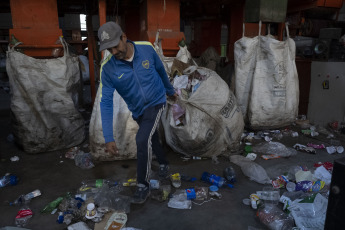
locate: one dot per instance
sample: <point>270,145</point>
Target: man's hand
<point>112,148</point>
<point>173,97</point>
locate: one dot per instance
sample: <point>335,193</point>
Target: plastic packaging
<point>83,160</point>
<point>22,217</point>
<point>175,180</point>
<point>8,179</point>
<point>290,186</point>
<point>274,218</point>
<point>215,180</point>
<point>179,200</point>
<point>269,195</point>
<point>251,169</point>
<point>274,148</point>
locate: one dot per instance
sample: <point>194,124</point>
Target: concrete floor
<point>55,175</point>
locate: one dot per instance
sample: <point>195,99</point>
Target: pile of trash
<point>304,202</point>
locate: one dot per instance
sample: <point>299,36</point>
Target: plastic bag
<point>83,160</point>
<point>179,200</point>
<point>275,148</point>
<point>110,198</point>
<point>310,216</point>
<point>274,218</point>
<point>251,169</point>
<point>22,216</point>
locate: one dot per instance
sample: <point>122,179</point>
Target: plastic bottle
<point>215,180</point>
<point>8,179</point>
<point>52,205</point>
<point>32,194</point>
<point>229,174</point>
<point>97,183</point>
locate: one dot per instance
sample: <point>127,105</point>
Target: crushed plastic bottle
<point>215,180</point>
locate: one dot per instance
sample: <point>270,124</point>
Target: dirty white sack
<point>267,84</point>
<point>42,91</point>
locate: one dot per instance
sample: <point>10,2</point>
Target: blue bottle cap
<point>213,188</point>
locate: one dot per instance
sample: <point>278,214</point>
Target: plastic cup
<point>331,149</point>
<point>340,149</point>
<point>91,211</point>
<point>291,186</point>
<point>246,201</point>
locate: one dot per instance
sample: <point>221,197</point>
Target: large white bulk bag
<point>44,114</point>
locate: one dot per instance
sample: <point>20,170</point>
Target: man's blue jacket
<point>141,85</point>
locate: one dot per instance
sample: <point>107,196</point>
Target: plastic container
<point>290,186</point>
<point>32,194</point>
<point>215,180</point>
<point>230,174</point>
<point>8,179</point>
<point>269,195</point>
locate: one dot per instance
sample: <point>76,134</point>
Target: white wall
<point>327,105</point>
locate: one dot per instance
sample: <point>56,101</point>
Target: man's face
<point>119,51</point>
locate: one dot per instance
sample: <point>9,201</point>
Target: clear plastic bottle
<point>32,194</point>
<point>215,180</point>
<point>230,174</point>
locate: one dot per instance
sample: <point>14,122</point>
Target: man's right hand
<point>112,148</point>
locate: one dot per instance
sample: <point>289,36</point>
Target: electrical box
<point>265,11</point>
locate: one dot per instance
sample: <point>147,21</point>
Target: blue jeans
<point>148,142</point>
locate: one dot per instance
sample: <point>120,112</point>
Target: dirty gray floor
<point>55,175</point>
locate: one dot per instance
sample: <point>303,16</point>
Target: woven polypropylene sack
<point>213,122</point>
<point>267,86</point>
<point>44,116</point>
<point>124,130</point>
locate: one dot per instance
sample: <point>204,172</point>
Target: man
<point>136,72</point>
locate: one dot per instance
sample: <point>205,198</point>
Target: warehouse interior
<point>210,30</point>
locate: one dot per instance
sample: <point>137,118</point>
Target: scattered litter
<point>251,156</point>
<point>275,218</point>
<point>83,160</point>
<point>23,216</point>
<point>267,157</point>
<point>251,169</point>
<point>70,154</point>
<point>14,158</point>
<point>321,173</point>
<point>309,214</point>
<point>179,200</point>
<point>274,148</point>
<point>315,146</point>
<point>79,226</point>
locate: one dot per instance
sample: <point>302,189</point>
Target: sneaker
<point>163,171</point>
<point>141,194</point>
